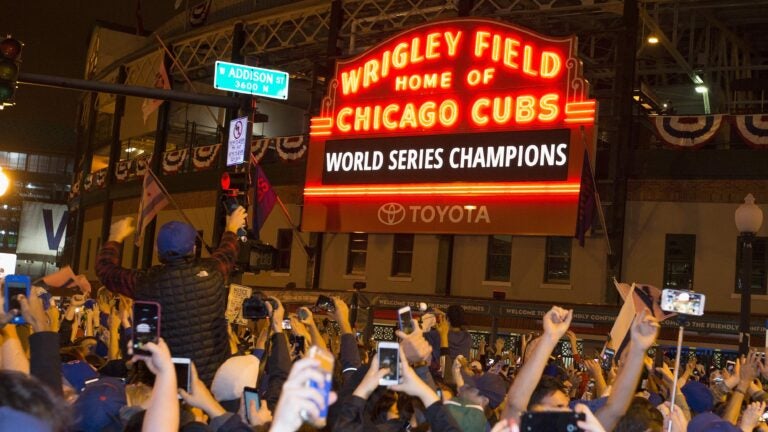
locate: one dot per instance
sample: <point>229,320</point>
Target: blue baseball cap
<point>175,240</point>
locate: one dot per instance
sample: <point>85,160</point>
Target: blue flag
<point>587,201</point>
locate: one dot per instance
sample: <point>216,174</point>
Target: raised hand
<point>371,379</point>
<point>557,321</point>
<point>645,329</point>
<point>236,219</point>
<point>751,416</point>
<point>415,347</point>
<point>33,313</point>
<point>297,397</point>
<point>159,361</point>
<point>121,229</point>
<point>590,422</point>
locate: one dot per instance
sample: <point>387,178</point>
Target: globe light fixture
<point>4,182</point>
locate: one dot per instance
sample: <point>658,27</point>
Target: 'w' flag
<point>587,201</point>
<point>153,199</point>
<point>264,198</point>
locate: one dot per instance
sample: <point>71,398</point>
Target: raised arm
<point>643,334</point>
<point>226,253</point>
<point>116,278</point>
<point>556,323</point>
<point>163,408</point>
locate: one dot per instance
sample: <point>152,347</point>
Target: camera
<point>255,307</point>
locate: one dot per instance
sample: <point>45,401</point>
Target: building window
<point>679,253</point>
<point>358,250</point>
<point>558,263</point>
<point>402,255</point>
<point>284,242</point>
<point>759,266</point>
<point>498,258</point>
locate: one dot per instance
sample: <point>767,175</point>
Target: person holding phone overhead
<point>192,293</point>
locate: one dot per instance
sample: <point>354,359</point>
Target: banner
<point>753,129</point>
<point>291,147</point>
<point>42,228</point>
<point>237,295</point>
<point>259,148</point>
<point>173,161</point>
<point>687,131</point>
<point>205,157</point>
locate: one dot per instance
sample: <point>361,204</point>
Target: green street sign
<point>250,80</point>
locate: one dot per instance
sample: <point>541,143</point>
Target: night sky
<point>56,35</point>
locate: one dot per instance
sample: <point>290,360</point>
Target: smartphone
<point>389,358</point>
<point>405,319</point>
<point>325,303</point>
<point>250,394</point>
<point>729,365</point>
<point>551,421</point>
<point>15,285</point>
<point>326,359</point>
<point>683,302</point>
<point>606,360</point>
<point>183,373</point>
<point>287,324</point>
<point>658,358</point>
<point>146,325</point>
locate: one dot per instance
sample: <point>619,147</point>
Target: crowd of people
<point>72,367</point>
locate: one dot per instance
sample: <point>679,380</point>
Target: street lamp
<point>4,182</point>
<point>748,218</point>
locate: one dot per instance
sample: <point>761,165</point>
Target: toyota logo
<point>391,213</point>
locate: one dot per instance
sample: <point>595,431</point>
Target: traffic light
<point>10,59</point>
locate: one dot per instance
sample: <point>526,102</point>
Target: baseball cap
<point>175,240</point>
<point>98,406</point>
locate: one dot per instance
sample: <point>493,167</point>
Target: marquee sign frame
<point>462,126</point>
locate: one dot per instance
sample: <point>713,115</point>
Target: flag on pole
<point>264,198</point>
<point>587,201</point>
<point>153,199</point>
<point>161,82</point>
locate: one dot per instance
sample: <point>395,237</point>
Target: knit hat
<point>698,396</point>
<point>470,418</point>
<point>237,372</point>
<point>175,240</point>
<point>491,386</point>
<point>710,422</point>
<point>11,419</point>
<point>98,406</point>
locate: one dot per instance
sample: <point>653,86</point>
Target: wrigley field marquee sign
<point>466,126</point>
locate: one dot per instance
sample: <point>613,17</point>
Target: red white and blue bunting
<point>122,170</point>
<point>205,157</point>
<point>753,129</point>
<point>75,189</point>
<point>100,178</point>
<point>88,182</point>
<point>259,148</point>
<point>291,148</point>
<point>687,131</point>
<point>173,161</point>
<point>142,165</point>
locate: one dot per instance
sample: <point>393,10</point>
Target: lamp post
<point>748,218</point>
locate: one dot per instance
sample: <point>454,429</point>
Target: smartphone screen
<point>388,359</point>
<point>146,324</point>
<point>607,360</point>
<point>325,303</point>
<point>14,290</point>
<point>551,421</point>
<point>658,359</point>
<point>183,373</point>
<point>405,318</point>
<point>250,394</point>
<point>682,302</point>
<point>287,324</point>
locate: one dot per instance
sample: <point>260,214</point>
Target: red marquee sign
<point>462,126</point>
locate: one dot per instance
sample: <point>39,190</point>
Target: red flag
<point>587,201</point>
<point>153,199</point>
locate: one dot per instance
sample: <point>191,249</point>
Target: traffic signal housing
<point>10,60</point>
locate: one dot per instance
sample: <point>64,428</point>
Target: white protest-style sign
<point>7,264</point>
<point>42,229</point>
<point>238,133</point>
<point>237,295</point>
